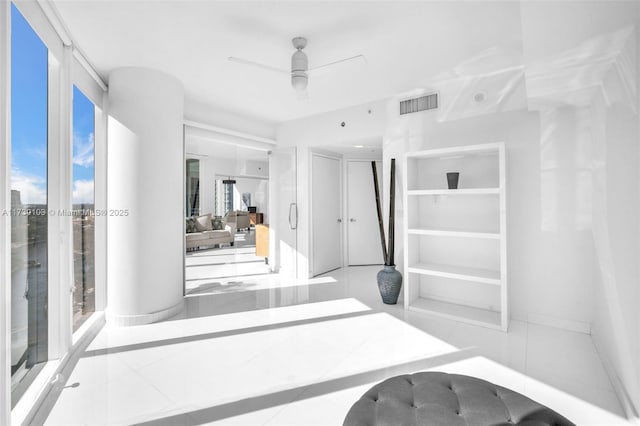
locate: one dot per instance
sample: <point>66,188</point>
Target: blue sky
<point>83,147</point>
<point>29,69</point>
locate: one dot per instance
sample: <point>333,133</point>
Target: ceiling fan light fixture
<point>299,80</point>
<point>299,61</point>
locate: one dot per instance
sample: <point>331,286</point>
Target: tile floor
<point>224,269</point>
<point>290,353</point>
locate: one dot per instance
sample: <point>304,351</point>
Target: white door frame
<point>317,153</point>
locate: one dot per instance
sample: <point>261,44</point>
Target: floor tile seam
<point>122,356</point>
<point>174,407</point>
<point>150,383</point>
<point>131,374</point>
<point>147,364</point>
<point>532,383</point>
<point>110,378</point>
<point>397,367</point>
<point>349,354</point>
<point>318,377</point>
<point>283,407</point>
<point>91,392</point>
<point>567,381</point>
<point>454,325</point>
<point>274,343</point>
<point>137,417</point>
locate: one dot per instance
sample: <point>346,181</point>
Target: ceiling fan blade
<point>258,65</point>
<point>326,67</point>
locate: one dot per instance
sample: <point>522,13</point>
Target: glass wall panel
<point>29,277</point>
<point>84,296</point>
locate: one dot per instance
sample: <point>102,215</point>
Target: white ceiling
<point>406,44</point>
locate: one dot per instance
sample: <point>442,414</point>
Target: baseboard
<point>564,324</point>
<point>131,320</point>
<point>630,410</point>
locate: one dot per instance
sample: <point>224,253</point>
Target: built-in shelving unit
<point>455,239</point>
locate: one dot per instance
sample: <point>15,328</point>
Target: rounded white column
<point>145,187</point>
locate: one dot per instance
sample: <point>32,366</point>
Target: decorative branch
<point>392,214</point>
<point>379,208</point>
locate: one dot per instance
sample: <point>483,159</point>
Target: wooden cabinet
<point>262,240</point>
<point>455,239</point>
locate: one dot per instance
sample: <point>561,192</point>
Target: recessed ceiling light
<point>480,96</point>
<point>359,146</point>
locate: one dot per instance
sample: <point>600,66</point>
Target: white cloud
<point>83,192</point>
<point>33,189</point>
<point>83,150</point>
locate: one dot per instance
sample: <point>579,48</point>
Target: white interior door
<point>283,211</point>
<point>326,214</point>
<point>363,236</point>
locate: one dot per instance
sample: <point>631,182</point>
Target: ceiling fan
<point>299,65</point>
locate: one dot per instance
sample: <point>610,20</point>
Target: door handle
<point>352,220</point>
<point>293,208</point>
<point>339,220</point>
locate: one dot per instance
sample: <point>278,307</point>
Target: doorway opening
<point>226,204</point>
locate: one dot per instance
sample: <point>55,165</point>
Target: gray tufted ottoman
<point>441,399</point>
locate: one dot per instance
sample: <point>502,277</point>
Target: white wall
<point>616,328</point>
<point>207,114</point>
<point>363,124</point>
<point>596,88</point>
<point>549,258</point>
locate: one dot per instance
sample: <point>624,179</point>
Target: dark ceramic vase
<point>389,284</point>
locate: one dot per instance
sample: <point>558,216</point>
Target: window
<point>83,208</point>
<point>29,220</point>
<point>193,187</point>
<point>228,194</point>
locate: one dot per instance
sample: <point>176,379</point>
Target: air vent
<point>423,103</point>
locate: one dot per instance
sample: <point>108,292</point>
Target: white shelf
<point>452,233</point>
<point>456,312</point>
<point>467,191</point>
<point>484,276</point>
<point>468,228</point>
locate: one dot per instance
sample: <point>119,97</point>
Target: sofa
<point>240,218</point>
<point>200,232</point>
